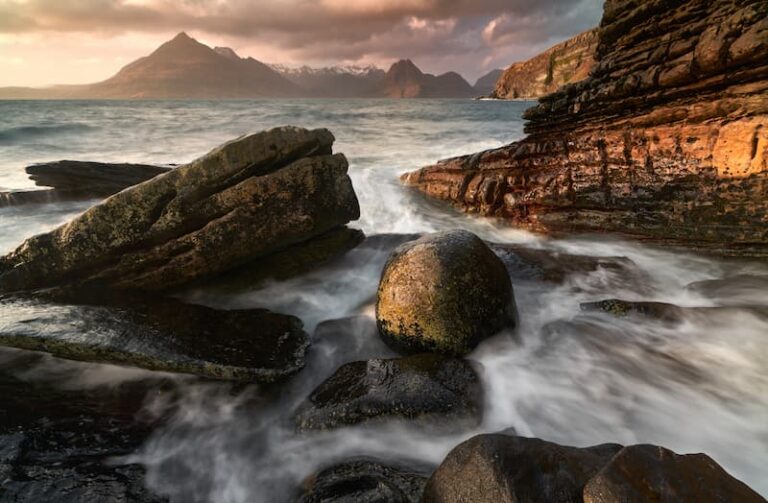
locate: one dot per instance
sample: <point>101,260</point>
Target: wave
<point>24,134</point>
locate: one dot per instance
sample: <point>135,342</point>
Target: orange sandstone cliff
<point>667,139</point>
<point>565,63</point>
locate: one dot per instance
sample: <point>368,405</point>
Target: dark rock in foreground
<point>365,481</point>
<point>159,334</point>
<point>427,390</point>
<point>67,461</point>
<point>444,292</point>
<point>641,473</point>
<point>247,199</point>
<point>59,445</point>
<point>500,468</point>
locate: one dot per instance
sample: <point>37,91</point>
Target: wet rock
<point>621,308</point>
<point>244,200</point>
<point>496,468</point>
<point>20,197</point>
<point>524,263</point>
<point>61,445</point>
<point>158,334</point>
<point>78,180</point>
<point>68,461</point>
<point>293,261</point>
<point>444,292</point>
<point>365,481</point>
<point>734,289</point>
<point>93,178</point>
<point>641,473</point>
<point>670,313</point>
<point>425,390</point>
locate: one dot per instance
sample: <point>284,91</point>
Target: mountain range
<point>184,68</point>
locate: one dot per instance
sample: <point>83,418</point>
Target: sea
<point>563,375</point>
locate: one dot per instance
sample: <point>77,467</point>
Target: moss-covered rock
<point>444,292</point>
<point>247,199</point>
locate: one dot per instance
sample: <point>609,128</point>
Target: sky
<point>46,42</point>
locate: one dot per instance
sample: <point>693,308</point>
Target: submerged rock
<point>524,263</point>
<point>158,334</point>
<point>365,481</point>
<point>497,468</point>
<point>427,390</point>
<point>670,313</point>
<point>641,473</point>
<point>244,200</point>
<point>621,308</point>
<point>77,180</point>
<point>444,292</point>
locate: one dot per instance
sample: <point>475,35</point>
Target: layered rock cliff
<point>667,138</point>
<point>565,63</point>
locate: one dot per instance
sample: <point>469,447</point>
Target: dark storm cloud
<point>473,34</point>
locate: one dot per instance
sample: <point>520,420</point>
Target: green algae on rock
<point>244,200</point>
<point>444,292</point>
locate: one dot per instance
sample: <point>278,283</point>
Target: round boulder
<point>445,293</point>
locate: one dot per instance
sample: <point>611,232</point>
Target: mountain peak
<point>405,64</point>
<point>181,36</point>
<point>227,52</point>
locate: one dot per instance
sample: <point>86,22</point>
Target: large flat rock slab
<point>252,345</point>
<point>244,200</point>
<point>79,180</point>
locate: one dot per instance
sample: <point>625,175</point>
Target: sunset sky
<point>44,42</point>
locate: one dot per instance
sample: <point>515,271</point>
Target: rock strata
<point>667,139</point>
<point>244,200</point>
<point>424,390</point>
<point>567,62</point>
<point>444,292</point>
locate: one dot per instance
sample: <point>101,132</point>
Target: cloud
<point>467,35</point>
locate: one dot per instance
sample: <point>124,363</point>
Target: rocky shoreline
<point>666,140</point>
<point>641,147</point>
